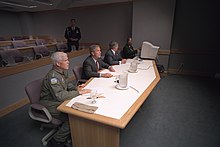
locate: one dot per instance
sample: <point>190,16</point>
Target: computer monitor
<point>149,51</point>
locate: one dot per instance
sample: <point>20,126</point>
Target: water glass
<point>123,80</point>
<point>93,95</point>
<point>133,66</point>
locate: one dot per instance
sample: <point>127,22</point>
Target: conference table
<point>115,109</point>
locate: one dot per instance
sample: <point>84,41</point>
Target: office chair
<point>38,112</point>
<point>2,62</point>
<point>25,37</point>
<point>40,42</point>
<point>13,38</point>
<point>2,39</point>
<point>41,51</point>
<point>149,51</point>
<point>77,70</point>
<point>18,44</point>
<point>11,57</point>
<point>62,47</point>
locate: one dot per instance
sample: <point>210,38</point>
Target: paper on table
<point>107,71</point>
<point>83,98</point>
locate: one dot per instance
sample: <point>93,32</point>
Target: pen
<point>96,97</point>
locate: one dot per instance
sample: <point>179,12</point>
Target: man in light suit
<point>112,56</point>
<point>94,63</point>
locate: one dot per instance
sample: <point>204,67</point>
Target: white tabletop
<point>117,102</point>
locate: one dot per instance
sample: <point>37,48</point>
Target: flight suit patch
<point>53,81</point>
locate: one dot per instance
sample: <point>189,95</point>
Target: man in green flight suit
<point>56,88</point>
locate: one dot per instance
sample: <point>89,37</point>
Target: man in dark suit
<point>94,63</point>
<point>128,51</point>
<point>112,57</point>
<point>73,35</point>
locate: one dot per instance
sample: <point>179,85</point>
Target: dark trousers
<point>63,132</point>
<point>71,45</point>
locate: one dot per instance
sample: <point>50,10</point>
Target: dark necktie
<point>97,65</point>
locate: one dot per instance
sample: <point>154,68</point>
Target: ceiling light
<point>44,2</point>
<point>18,5</point>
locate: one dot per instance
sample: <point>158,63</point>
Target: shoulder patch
<point>53,81</point>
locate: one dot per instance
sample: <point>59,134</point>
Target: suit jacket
<point>72,33</point>
<point>128,52</point>
<point>90,68</point>
<point>112,59</point>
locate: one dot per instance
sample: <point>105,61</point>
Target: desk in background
<point>102,129</point>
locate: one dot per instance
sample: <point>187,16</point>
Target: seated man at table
<point>128,51</point>
<point>94,63</point>
<point>56,89</point>
<point>112,56</point>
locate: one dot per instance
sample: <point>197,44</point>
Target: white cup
<point>93,95</point>
<point>123,80</point>
<point>133,66</point>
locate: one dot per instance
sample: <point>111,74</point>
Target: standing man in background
<point>73,35</point>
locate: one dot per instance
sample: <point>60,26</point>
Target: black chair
<point>77,70</point>
<point>40,113</point>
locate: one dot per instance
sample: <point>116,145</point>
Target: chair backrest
<point>2,62</point>
<point>61,47</point>
<point>40,42</point>
<point>77,70</point>
<point>17,44</point>
<point>148,50</point>
<point>11,56</point>
<point>25,37</point>
<point>43,50</point>
<point>13,38</point>
<point>33,90</point>
<point>2,39</point>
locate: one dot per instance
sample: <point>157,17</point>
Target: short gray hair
<point>92,48</point>
<point>57,57</point>
<point>113,44</point>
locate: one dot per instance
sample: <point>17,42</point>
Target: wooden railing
<point>6,71</point>
<point>25,66</point>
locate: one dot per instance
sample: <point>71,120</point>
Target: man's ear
<point>93,53</point>
<point>58,64</point>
